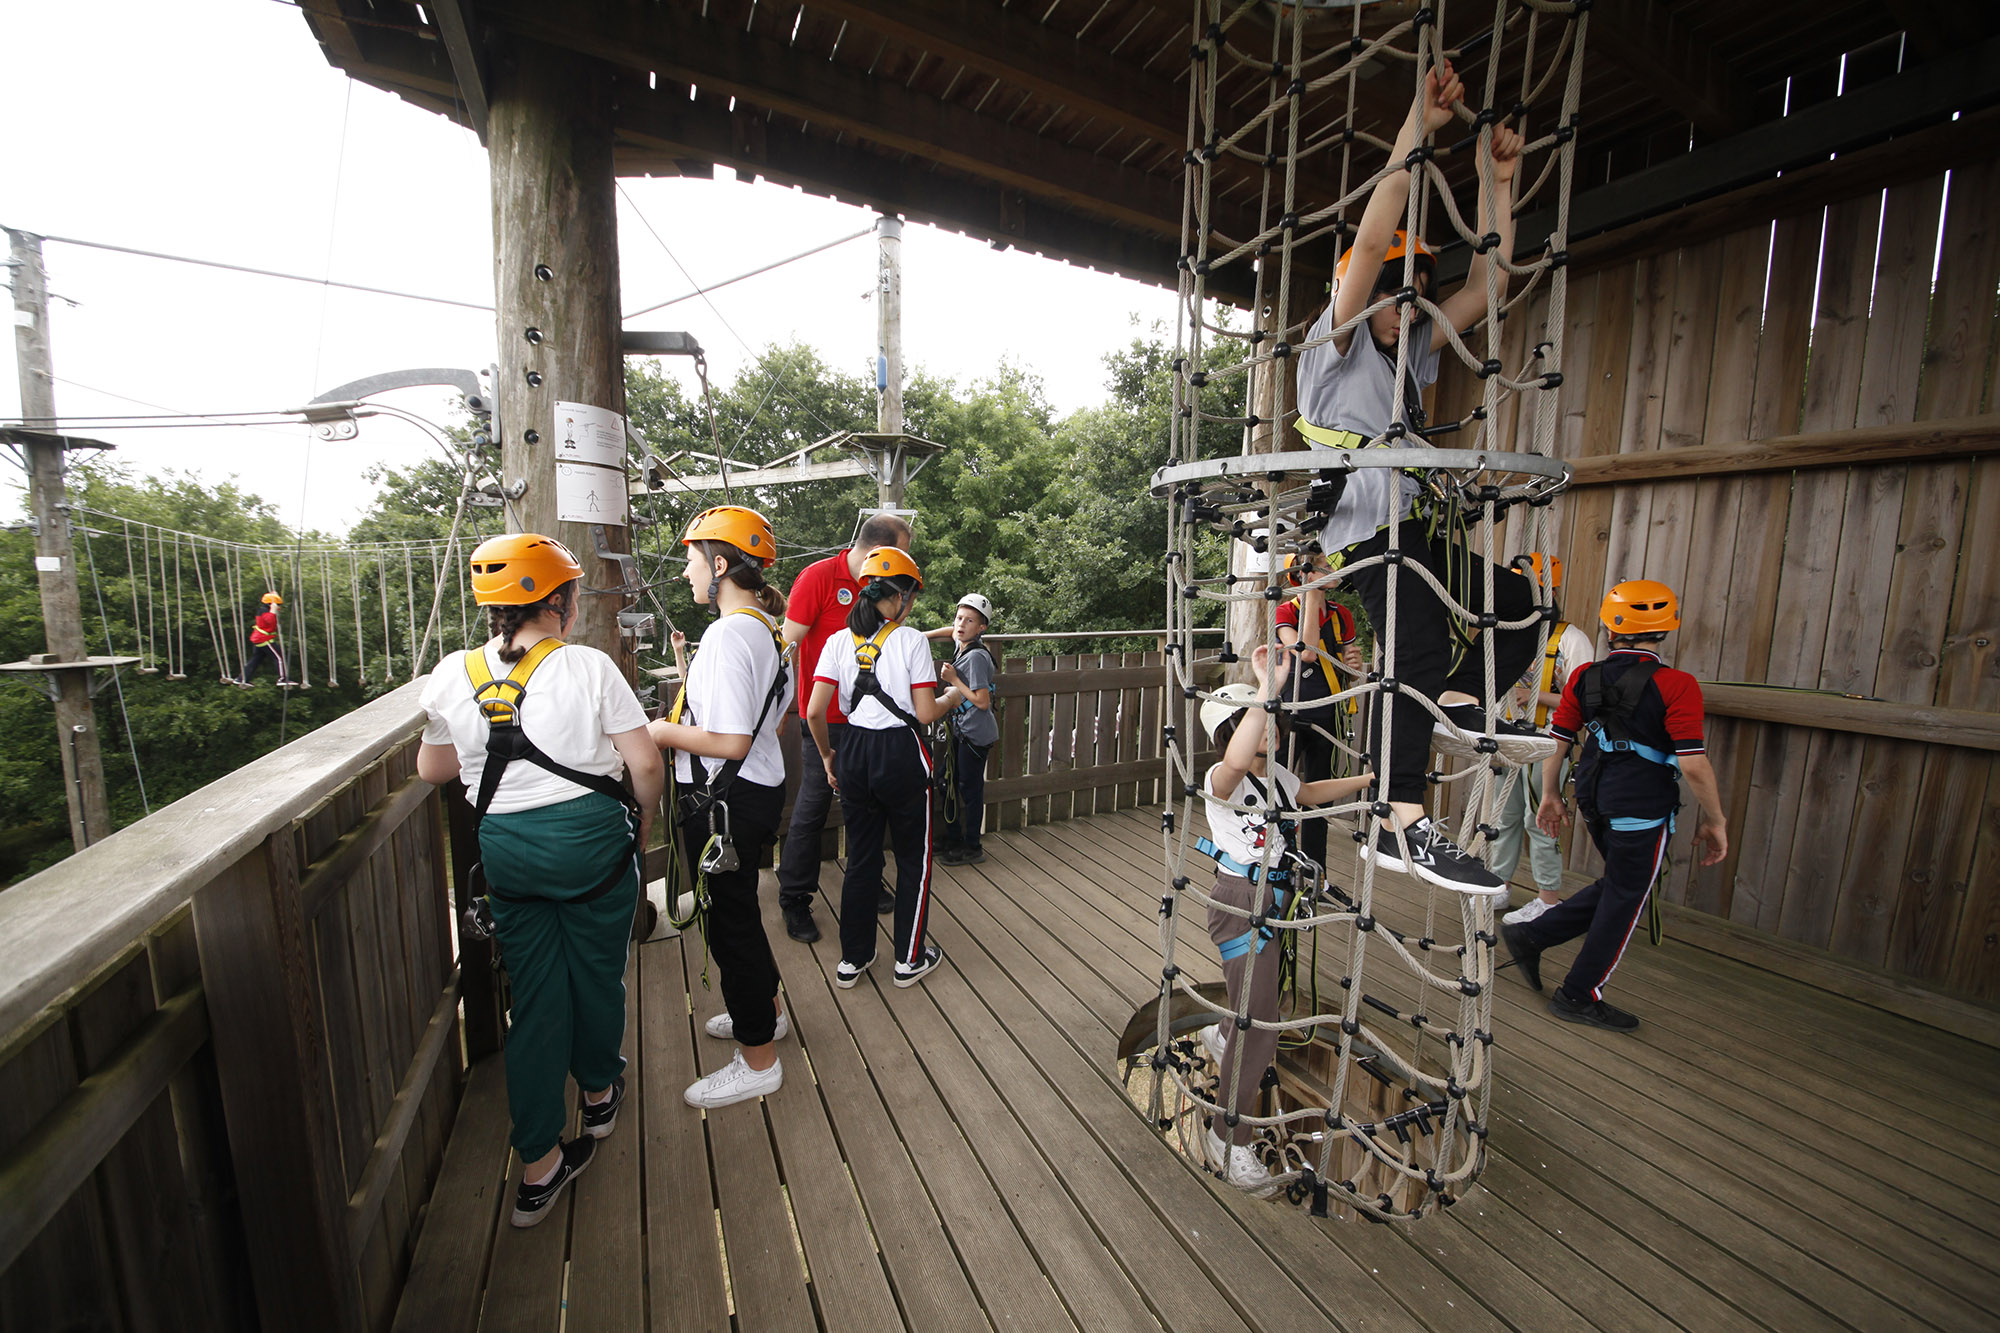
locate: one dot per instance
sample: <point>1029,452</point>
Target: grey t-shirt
<point>975,672</point>
<point>1357,392</point>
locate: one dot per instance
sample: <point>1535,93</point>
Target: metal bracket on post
<point>629,582</point>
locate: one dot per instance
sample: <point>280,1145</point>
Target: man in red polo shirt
<point>817,609</point>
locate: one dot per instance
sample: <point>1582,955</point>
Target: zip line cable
<point>717,286</point>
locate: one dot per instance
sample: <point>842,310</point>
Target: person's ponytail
<point>866,618</point>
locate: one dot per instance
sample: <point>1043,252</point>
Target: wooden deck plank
<point>607,1277</point>
<point>767,1274</point>
<point>448,1271</point>
<point>683,1265</point>
<point>929,1278</point>
<point>1011,980</point>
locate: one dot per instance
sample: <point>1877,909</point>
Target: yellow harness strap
<point>868,651</point>
<point>1332,439</point>
<point>499,700</point>
<point>1549,685</point>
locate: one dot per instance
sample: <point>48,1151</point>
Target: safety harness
<point>1278,877</point>
<point>1608,711</point>
<point>1549,683</point>
<point>500,702</point>
<point>867,652</point>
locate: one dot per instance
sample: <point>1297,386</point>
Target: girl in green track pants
<point>541,731</point>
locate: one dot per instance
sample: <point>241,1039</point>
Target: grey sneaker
<point>1526,912</point>
<point>1432,856</point>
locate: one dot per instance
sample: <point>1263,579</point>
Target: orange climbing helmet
<point>272,599</point>
<point>887,562</point>
<point>1399,247</point>
<point>1532,564</point>
<point>745,529</point>
<point>519,568</point>
<point>1640,606</point>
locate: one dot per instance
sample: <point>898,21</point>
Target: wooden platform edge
<point>1829,972</point>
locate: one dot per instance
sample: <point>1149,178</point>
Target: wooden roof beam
<point>1658,52</point>
<point>657,133</point>
<point>680,45</point>
<point>454,26</point>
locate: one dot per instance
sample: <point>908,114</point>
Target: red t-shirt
<point>1336,623</point>
<point>820,599</point>
<point>267,628</point>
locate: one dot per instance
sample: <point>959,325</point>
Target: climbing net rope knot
<point>1381,1097</point>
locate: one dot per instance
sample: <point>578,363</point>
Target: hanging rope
<point>1407,1135</point>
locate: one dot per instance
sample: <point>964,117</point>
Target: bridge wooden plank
<point>683,1264</point>
<point>448,1272</point>
<point>607,1270</point>
<point>929,1277</point>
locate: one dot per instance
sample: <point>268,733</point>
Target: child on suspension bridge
<point>1536,697</point>
<point>1321,630</point>
<point>1348,395</point>
<point>264,643</point>
<point>559,841</point>
<point>1640,722</point>
<point>1250,847</point>
<point>974,730</point>
<point>880,670</point>
<point>731,778</point>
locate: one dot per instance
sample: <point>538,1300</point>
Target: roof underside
<point>1060,126</point>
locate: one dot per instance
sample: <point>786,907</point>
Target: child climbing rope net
<point>1391,1117</point>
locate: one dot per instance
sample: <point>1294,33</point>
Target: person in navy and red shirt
<point>1640,724</point>
<point>818,607</point>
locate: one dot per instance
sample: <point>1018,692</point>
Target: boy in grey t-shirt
<point>974,730</point>
<point>1365,385</point>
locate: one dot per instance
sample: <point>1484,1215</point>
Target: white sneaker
<point>735,1082</point>
<point>1211,1041</point>
<point>1527,912</point>
<point>1240,1167</point>
<point>724,1027</point>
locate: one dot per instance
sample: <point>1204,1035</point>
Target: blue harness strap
<point>1240,945</point>
<point>1604,741</point>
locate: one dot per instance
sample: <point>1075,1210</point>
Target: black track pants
<point>735,926</point>
<point>798,862</point>
<point>1607,912</point>
<point>885,785</point>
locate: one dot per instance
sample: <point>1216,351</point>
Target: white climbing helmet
<point>979,604</point>
<point>1230,700</point>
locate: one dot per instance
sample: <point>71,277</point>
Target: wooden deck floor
<point>959,1156</point>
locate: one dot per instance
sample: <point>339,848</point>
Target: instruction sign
<point>586,434</point>
<point>588,494</point>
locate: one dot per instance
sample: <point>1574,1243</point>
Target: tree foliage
<point>1050,516</point>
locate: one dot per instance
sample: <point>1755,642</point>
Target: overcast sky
<point>215,129</point>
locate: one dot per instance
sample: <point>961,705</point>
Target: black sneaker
<point>909,974</point>
<point>1591,1013</point>
<point>971,856</point>
<point>885,904</point>
<point>1518,744</point>
<point>1526,956</point>
<point>599,1118</point>
<point>951,856</point>
<point>799,924</point>
<point>531,1202</point>
<point>1433,857</point>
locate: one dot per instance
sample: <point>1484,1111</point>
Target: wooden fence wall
<point>230,1049</point>
<point>1877,578</point>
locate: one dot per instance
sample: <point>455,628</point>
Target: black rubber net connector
<point>1161,1060</point>
<point>1468,986</point>
<point>1180,883</point>
<point>1256,336</point>
<point>1423,18</point>
<point>1490,241</point>
<point>1380,809</point>
<point>1270,160</point>
<point>1201,266</point>
<point>1231,1119</point>
<point>1485,937</point>
<point>1170,971</point>
<point>1274,594</point>
<point>1282,349</point>
<point>1253,421</point>
<point>1187,414</point>
<point>1564,133</point>
<point>1167,821</point>
<point>1552,380</point>
<point>1424,944</point>
<point>1271,705</point>
<point>1297,88</point>
<point>1405,296</point>
<point>1491,115</point>
<point>1487,745</point>
<point>1189,593</point>
<point>1487,620</point>
<point>1199,378</point>
<point>1549,614</point>
<point>1394,556</point>
<point>1488,369</point>
<point>1364,924</point>
<point>1559,259</point>
<point>1167,733</point>
<point>1289,222</point>
<point>1185,262</point>
<point>1390,685</point>
<point>1350,1027</point>
<point>1347,983</point>
<point>1190,789</point>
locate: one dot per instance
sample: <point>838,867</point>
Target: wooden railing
<point>230,1049</point>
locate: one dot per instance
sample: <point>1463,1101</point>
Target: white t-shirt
<point>904,667</point>
<point>1574,649</point>
<point>575,703</point>
<point>1241,832</point>
<point>728,682</point>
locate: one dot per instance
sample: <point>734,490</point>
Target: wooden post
<point>889,351</point>
<point>55,561</point>
<point>270,1055</point>
<point>555,245</point>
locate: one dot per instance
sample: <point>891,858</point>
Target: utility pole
<point>55,562</point>
<point>889,357</point>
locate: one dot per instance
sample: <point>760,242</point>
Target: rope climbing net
<point>1381,1100</point>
